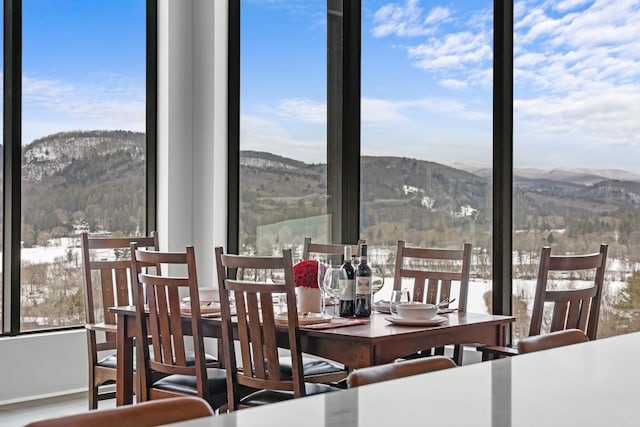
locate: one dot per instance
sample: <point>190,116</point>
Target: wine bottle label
<point>364,285</point>
<point>346,289</point>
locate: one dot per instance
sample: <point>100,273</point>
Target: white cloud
<point>381,111</point>
<point>53,105</point>
<point>453,83</point>
<point>456,50</point>
<point>304,110</point>
<point>577,63</point>
<point>566,5</point>
<point>577,73</point>
<point>263,134</point>
<point>405,20</point>
<point>437,15</point>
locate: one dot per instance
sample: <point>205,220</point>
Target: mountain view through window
<point>426,130</point>
<point>83,159</point>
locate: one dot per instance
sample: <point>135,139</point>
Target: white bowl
<point>205,295</point>
<point>208,294</point>
<point>417,311</point>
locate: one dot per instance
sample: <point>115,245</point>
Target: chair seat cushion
<point>191,358</point>
<point>186,384</point>
<point>263,397</point>
<point>111,360</point>
<point>310,366</point>
<point>108,362</point>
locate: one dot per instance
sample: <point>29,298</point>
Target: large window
<point>283,125</point>
<point>426,131</point>
<point>82,145</point>
<point>435,134</point>
<point>576,138</point>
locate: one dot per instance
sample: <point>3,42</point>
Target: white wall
<point>191,184</point>
<point>42,365</point>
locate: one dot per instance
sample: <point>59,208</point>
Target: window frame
<point>12,135</point>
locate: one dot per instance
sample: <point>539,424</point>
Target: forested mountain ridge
<point>50,155</point>
<point>82,180</point>
<point>95,180</point>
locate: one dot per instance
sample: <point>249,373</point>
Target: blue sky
<point>83,66</point>
<point>426,77</point>
<point>427,80</point>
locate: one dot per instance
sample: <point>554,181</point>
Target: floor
<point>19,414</point>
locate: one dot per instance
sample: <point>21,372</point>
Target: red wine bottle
<point>347,280</point>
<point>364,293</point>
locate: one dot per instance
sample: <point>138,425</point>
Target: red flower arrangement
<point>305,274</point>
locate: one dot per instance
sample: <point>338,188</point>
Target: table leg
<point>124,346</point>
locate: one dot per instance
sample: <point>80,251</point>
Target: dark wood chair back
<point>391,371</point>
<point>145,414</point>
<point>164,341</point>
<point>551,340</point>
<point>107,283</point>
<point>433,270</point>
<point>256,325</point>
<point>572,308</point>
<point>329,250</point>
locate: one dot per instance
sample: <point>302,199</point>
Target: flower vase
<point>309,299</point>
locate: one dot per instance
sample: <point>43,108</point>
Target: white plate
<point>416,322</point>
<point>306,318</point>
<point>382,307</point>
<point>329,301</point>
<point>205,308</point>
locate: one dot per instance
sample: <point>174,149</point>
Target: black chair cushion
<point>310,366</point>
<point>264,397</point>
<point>111,360</point>
<point>186,384</point>
<point>191,358</point>
<point>108,362</point>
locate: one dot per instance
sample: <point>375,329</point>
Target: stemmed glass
<point>331,286</point>
<point>377,277</point>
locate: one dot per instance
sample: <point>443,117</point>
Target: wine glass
<point>322,271</point>
<point>331,285</point>
<point>398,296</point>
<point>377,277</point>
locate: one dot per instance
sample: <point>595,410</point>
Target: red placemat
<point>336,323</point>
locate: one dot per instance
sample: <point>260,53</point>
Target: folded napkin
<point>336,323</point>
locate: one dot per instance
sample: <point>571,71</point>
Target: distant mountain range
<point>450,188</point>
<point>95,179</point>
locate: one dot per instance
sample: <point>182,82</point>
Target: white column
<point>192,128</point>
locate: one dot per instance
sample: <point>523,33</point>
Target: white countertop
<point>591,384</point>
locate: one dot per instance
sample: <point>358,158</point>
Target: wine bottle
<point>363,285</point>
<point>347,280</point>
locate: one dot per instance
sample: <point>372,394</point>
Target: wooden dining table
<point>373,343</point>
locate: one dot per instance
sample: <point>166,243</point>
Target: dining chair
<point>258,340</point>
<point>571,308</point>
<point>551,340</point>
<point>163,338</point>
<point>106,279</point>
<point>432,272</point>
<point>399,369</point>
<point>145,414</point>
<point>328,250</point>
